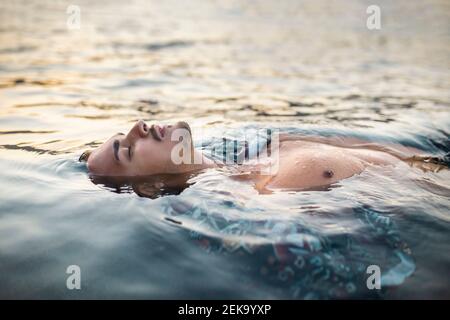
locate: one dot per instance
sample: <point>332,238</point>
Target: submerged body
<point>302,162</point>
<point>305,164</point>
<point>311,162</point>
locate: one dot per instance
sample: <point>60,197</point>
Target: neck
<point>204,162</point>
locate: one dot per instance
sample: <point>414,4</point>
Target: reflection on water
<point>224,66</point>
<point>145,186</point>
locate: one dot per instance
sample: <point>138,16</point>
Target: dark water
<point>224,66</point>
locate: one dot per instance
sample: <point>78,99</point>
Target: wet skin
<point>303,162</point>
<point>144,150</point>
<point>310,162</point>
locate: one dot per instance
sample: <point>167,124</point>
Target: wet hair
<point>85,156</point>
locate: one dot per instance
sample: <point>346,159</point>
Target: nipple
<point>328,173</point>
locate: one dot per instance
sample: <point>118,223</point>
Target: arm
<point>396,150</point>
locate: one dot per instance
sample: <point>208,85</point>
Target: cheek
<point>101,165</point>
<point>166,153</point>
<point>151,158</point>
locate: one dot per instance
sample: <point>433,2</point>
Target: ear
<point>85,156</point>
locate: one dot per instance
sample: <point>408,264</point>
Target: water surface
<point>309,67</point>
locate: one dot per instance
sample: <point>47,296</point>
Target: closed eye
<point>116,146</point>
<point>129,153</point>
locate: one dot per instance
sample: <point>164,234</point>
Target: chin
<point>184,125</point>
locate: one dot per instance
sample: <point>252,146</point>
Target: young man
<point>300,162</point>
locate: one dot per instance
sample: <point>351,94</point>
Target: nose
<point>139,130</point>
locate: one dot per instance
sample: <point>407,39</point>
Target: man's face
<point>145,150</point>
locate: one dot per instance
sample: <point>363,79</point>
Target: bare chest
<point>306,166</point>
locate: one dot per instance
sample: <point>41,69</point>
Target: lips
<point>154,131</point>
<point>158,132</point>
